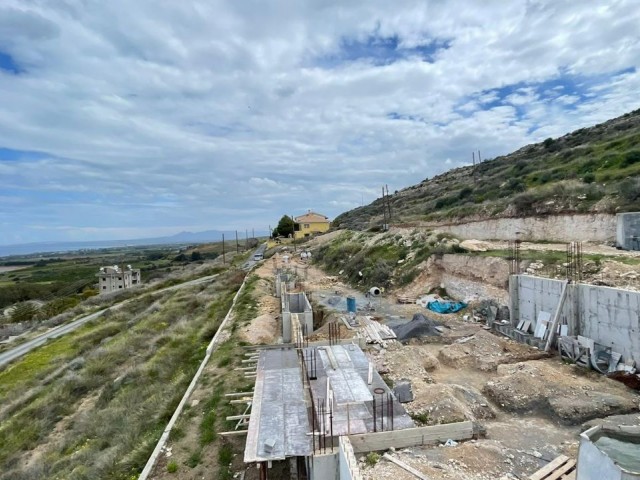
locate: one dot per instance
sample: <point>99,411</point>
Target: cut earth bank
<point>531,406</point>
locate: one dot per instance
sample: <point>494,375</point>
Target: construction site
<point>362,383</point>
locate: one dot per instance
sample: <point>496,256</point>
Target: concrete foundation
<point>284,281</point>
<point>609,316</point>
<point>295,304</point>
<point>628,230</point>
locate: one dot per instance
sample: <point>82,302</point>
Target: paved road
<point>61,330</point>
<point>251,262</point>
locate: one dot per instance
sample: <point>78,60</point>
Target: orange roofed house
<point>311,223</point>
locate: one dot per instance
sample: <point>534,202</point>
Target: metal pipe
<point>375,422</point>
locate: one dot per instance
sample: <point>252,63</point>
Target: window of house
<point>104,279</point>
<point>120,286</point>
<point>306,225</point>
<point>119,278</point>
<point>104,287</point>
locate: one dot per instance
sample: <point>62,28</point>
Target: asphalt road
<point>251,262</point>
<point>61,330</point>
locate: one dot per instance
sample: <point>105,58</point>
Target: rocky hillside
<point>594,169</point>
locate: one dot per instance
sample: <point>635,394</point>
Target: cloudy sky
<point>123,119</point>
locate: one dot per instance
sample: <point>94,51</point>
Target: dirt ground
<point>530,407</point>
<point>468,373</point>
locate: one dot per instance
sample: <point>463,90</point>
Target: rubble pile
<point>485,351</point>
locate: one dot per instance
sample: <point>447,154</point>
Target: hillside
<point>594,169</point>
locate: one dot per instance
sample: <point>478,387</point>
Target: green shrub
<point>631,158</point>
<point>172,467</point>
<point>194,459</point>
<point>422,418</point>
<point>372,458</point>
<point>589,178</point>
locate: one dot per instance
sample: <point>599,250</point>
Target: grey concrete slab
<point>279,424</point>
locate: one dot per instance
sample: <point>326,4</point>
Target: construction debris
<point>419,326</point>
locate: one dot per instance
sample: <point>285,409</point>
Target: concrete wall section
<point>559,228</point>
<point>535,295</point>
<point>324,466</point>
<point>628,230</point>
<point>347,464</point>
<point>611,317</point>
<point>411,437</point>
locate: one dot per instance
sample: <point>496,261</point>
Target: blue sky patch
<point>8,64</point>
<point>11,155</point>
<point>381,51</point>
<point>565,90</point>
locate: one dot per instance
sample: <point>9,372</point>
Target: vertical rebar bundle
<point>574,262</point>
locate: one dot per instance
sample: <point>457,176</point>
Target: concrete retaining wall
<point>628,230</point>
<point>610,316</point>
<point>411,437</point>
<point>559,228</point>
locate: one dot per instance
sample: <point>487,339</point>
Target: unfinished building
<point>114,279</point>
<point>315,407</point>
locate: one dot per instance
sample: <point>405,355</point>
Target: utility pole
<point>384,211</point>
<point>246,239</point>
<point>253,233</point>
<point>223,259</point>
<point>479,159</point>
<point>473,158</point>
<point>237,244</point>
<point>295,249</point>
<point>388,203</point>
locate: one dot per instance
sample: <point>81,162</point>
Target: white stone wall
<point>558,228</point>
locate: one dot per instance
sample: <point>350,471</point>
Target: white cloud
<point>223,114</point>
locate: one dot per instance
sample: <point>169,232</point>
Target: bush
<point>589,178</point>
<point>524,204</point>
<point>372,458</point>
<point>630,189</point>
<point>421,418</point>
<point>172,467</point>
<point>631,158</point>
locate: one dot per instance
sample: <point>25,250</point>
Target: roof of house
<point>312,217</point>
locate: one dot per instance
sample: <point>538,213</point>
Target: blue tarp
<point>445,307</point>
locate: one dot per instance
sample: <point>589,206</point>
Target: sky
<point>128,119</point>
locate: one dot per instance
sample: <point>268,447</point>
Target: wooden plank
<point>406,467</point>
<point>238,417</point>
<point>562,470</point>
<point>242,400</point>
<point>570,476</point>
<point>233,432</point>
<point>238,394</point>
<point>549,467</point>
<point>410,437</point>
<point>556,317</point>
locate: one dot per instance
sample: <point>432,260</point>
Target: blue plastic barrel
<point>351,304</point>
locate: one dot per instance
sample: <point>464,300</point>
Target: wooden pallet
<point>560,468</point>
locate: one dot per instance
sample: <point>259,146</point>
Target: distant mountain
<point>591,170</point>
<point>178,238</point>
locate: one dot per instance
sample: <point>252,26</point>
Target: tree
<point>286,227</point>
<point>196,256</point>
